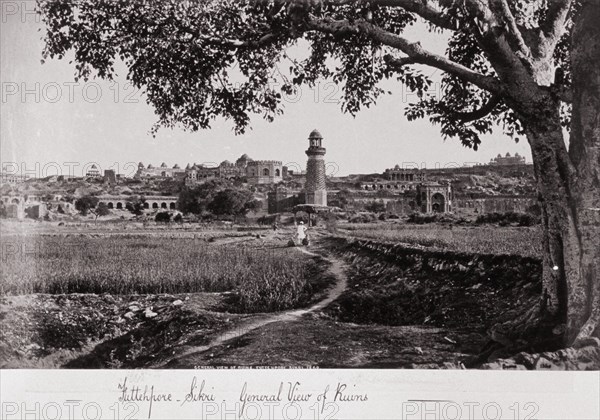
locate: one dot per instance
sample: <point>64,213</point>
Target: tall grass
<point>131,265</point>
<point>473,239</point>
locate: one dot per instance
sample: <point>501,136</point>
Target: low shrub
<point>420,219</point>
<point>363,218</point>
<point>508,218</point>
<point>162,217</point>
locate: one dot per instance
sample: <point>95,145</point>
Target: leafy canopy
<point>199,60</point>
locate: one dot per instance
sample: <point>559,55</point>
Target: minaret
<point>316,191</point>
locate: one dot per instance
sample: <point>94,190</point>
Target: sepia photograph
<point>330,185</point>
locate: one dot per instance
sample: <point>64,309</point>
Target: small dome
<point>507,154</point>
<point>315,134</point>
<point>150,166</point>
<point>225,163</point>
<point>188,166</point>
<point>176,166</point>
<point>517,154</point>
<point>140,165</point>
<point>94,166</point>
<point>397,167</point>
<point>163,165</point>
<point>499,155</point>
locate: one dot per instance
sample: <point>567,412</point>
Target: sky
<point>50,124</point>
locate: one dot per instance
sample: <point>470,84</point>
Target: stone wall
<point>264,172</point>
<point>499,204</point>
<point>279,202</point>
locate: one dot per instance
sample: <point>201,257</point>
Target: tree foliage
<point>195,199</point>
<point>101,210</point>
<point>162,217</point>
<point>86,203</point>
<point>233,202</point>
<point>197,61</point>
<point>135,204</point>
<point>375,206</point>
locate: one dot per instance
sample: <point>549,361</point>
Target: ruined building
<point>260,172</point>
<point>110,177</point>
<point>256,172</point>
<point>163,171</point>
<point>7,177</point>
<point>434,197</point>
<point>404,174</point>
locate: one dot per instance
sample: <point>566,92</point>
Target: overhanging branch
<point>477,114</point>
<point>397,63</point>
<point>413,50</point>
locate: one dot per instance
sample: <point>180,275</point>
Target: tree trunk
<point>568,185</point>
<point>584,296</point>
<point>554,175</point>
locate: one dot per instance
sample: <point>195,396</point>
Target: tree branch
<point>414,50</point>
<point>397,63</point>
<point>476,114</point>
<point>423,8</point>
<point>552,27</point>
<point>501,6</point>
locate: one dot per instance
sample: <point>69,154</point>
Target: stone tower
<point>316,191</point>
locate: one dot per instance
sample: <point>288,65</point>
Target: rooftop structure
<point>508,160</point>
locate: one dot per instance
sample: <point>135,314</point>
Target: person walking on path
<point>301,233</point>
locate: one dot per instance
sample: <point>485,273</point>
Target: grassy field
<point>263,279</point>
<point>524,241</point>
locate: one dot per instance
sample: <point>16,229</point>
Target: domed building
<point>243,160</point>
<point>255,172</point>
<point>93,171</point>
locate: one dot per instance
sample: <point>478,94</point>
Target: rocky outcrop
<point>585,357</point>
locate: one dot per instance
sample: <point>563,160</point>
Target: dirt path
<point>336,269</point>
